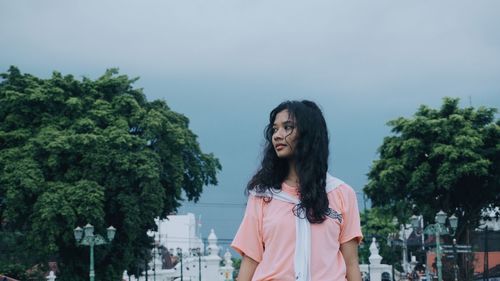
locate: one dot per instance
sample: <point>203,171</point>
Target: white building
<point>181,236</point>
<point>178,232</point>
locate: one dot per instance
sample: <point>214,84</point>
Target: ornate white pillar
<point>227,269</point>
<point>51,276</point>
<point>212,261</point>
<point>376,268</point>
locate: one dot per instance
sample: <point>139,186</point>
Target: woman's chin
<point>283,155</point>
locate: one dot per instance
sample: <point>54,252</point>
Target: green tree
<point>77,151</point>
<point>447,158</point>
<point>378,223</point>
<point>236,266</point>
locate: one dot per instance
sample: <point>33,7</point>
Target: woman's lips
<point>280,146</point>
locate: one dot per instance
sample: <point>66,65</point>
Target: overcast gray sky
<point>226,64</point>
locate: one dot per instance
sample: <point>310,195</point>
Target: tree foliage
<point>78,151</point>
<point>447,158</point>
<point>378,223</point>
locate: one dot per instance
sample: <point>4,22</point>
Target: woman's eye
<point>289,128</point>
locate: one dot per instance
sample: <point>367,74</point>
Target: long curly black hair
<point>310,156</point>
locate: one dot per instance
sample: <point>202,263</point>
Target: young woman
<point>300,222</point>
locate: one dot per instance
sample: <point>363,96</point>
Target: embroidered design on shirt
<point>334,215</point>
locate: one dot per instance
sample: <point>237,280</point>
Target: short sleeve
<point>249,240</point>
<point>351,228</point>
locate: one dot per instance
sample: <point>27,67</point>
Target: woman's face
<point>284,134</point>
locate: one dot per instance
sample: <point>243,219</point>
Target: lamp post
<point>394,241</point>
<point>197,252</point>
<point>154,252</point>
<point>154,263</point>
<point>438,228</point>
<point>180,254</point>
<point>406,266</point>
<point>417,223</point>
<point>87,237</point>
<point>455,257</point>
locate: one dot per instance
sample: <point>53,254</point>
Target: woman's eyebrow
<point>287,122</point>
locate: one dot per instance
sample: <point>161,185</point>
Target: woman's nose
<point>278,134</point>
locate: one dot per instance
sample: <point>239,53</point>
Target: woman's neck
<point>292,179</point>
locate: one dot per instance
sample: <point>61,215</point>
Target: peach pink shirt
<point>267,235</point>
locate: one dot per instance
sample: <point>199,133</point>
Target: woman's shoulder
<point>262,192</point>
<point>341,194</point>
<point>338,185</point>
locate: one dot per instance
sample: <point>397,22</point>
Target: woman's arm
<point>247,268</point>
<point>349,250</point>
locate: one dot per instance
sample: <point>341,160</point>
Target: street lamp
<point>417,223</point>
<point>155,251</point>
<point>180,254</point>
<point>437,229</point>
<point>197,252</point>
<point>87,237</point>
<point>393,240</point>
